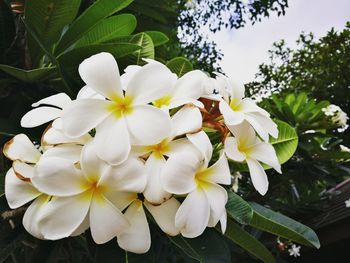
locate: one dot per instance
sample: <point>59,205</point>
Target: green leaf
<point>248,242</point>
<point>238,209</point>
<point>88,20</point>
<point>109,28</point>
<point>179,66</point>
<point>283,226</point>
<point>48,17</point>
<point>7,28</point>
<point>209,247</point>
<point>286,143</point>
<point>147,48</point>
<point>33,75</point>
<point>158,38</point>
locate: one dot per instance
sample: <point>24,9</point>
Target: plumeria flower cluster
<point>133,143</point>
<point>336,115</point>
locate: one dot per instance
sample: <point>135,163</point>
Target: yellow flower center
<point>201,178</point>
<point>122,106</point>
<point>235,104</point>
<point>163,101</point>
<point>159,149</point>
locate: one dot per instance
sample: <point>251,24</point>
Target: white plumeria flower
<point>188,173</point>
<point>185,90</point>
<point>246,146</point>
<point>82,197</point>
<point>136,237</point>
<point>187,120</point>
<point>18,187</point>
<point>235,109</point>
<point>121,119</point>
<point>294,251</point>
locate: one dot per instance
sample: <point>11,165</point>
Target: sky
<point>244,49</point>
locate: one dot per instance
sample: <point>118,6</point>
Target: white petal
<point>130,176</point>
<point>53,136</point>
<point>101,73</point>
<point>201,141</point>
<point>59,100</point>
<point>193,215</point>
<point>244,133</point>
<point>91,165</point>
<point>136,238</point>
<point>148,125</point>
<point>231,117</point>
<point>247,105</point>
<point>178,174</point>
<point>181,145</point>
<point>190,85</point>
<point>83,115</point>
<point>164,215</point>
<point>265,153</point>
<point>149,83</point>
<point>187,120</point>
<point>236,89</point>
<point>130,71</point>
<point>18,192</point>
<point>87,92</point>
<point>232,151</point>
<point>219,172</point>
<point>106,221</point>
<point>223,222</point>
<point>217,198</point>
<point>59,177</point>
<point>121,200</point>
<point>69,152</point>
<point>258,176</point>
<point>63,215</point>
<point>39,116</point>
<point>263,125</point>
<point>154,192</point>
<point>21,148</point>
<point>23,170</point>
<point>174,103</point>
<point>112,140</point>
<point>83,227</point>
<point>33,214</point>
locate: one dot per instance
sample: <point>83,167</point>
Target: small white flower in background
<point>191,4</point>
<point>246,146</point>
<point>338,116</point>
<point>344,148</point>
<point>236,177</point>
<point>294,251</point>
<point>235,109</point>
<point>347,203</point>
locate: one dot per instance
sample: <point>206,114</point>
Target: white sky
<point>244,49</point>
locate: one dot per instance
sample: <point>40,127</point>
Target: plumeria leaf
<point>286,143</point>
<point>179,66</point>
<point>209,247</point>
<point>248,242</point>
<point>158,38</point>
<point>7,28</point>
<point>147,48</point>
<point>108,29</point>
<point>238,209</point>
<point>33,75</point>
<point>283,226</point>
<point>88,20</point>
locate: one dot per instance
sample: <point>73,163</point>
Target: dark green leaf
<point>147,48</point>
<point>209,247</point>
<point>179,66</point>
<point>28,75</point>
<point>158,38</point>
<point>109,28</point>
<point>248,242</point>
<point>88,20</point>
<point>283,226</point>
<point>238,209</point>
<point>7,28</point>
